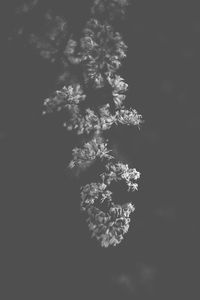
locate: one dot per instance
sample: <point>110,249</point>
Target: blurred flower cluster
<point>111,9</point>
<point>26,6</point>
<point>54,34</point>
<point>98,55</point>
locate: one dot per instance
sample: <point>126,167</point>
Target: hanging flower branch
<point>99,53</point>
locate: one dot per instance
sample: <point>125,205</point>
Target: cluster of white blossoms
<point>109,228</point>
<point>69,98</point>
<point>119,171</point>
<point>89,152</point>
<point>108,221</point>
<point>64,99</point>
<point>99,53</point>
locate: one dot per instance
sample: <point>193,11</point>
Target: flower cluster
<point>98,53</point>
<point>69,98</point>
<point>101,52</point>
<point>119,171</point>
<point>91,150</point>
<point>109,228</point>
<point>64,99</point>
<point>114,172</point>
<point>93,193</point>
<point>129,117</point>
<point>110,224</point>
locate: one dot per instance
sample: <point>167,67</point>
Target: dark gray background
<point>47,250</point>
